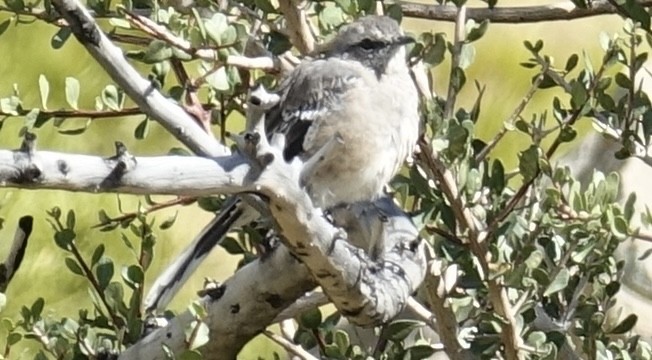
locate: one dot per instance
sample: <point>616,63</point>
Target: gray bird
<point>356,99</point>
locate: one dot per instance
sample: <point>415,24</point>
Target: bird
<point>355,106</point>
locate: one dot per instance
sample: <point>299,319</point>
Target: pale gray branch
<point>297,25</point>
<point>369,287</point>
<point>175,175</point>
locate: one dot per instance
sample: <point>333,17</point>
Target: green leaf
<point>219,80</point>
<point>15,5</point>
<point>64,238</point>
<point>60,37</point>
<point>571,62</point>
<point>477,31</point>
<point>626,325</point>
<point>76,131</point>
<point>534,260</point>
<point>342,340</point>
<point>200,334</point>
<point>278,43</point>
<point>70,219</point>
<point>210,203</point>
<point>623,81</point>
<point>419,352</point>
<point>120,23</point>
<point>112,97</point>
<point>395,11</point>
<point>536,339</point>
<point>232,246</point>
<point>558,283</point>
<point>156,52</point>
<point>434,54</point>
<point>567,134</point>
<point>72,265</point>
<point>44,90</point>
<point>133,275</point>
<point>266,6</point>
<point>398,330</point>
<point>348,6</point>
<point>645,254</point>
<point>169,221</point>
<point>10,105</point>
<point>215,26</point>
<point>37,308</point>
<point>189,355</point>
<point>579,94</point>
<point>529,162</point>
<point>142,129</point>
<point>467,56</point>
<point>104,272</point>
<point>72,92</point>
<point>458,79</point>
<point>457,136</point>
<point>311,319</point>
<point>70,327</point>
<point>13,337</point>
<point>103,217</point>
<point>4,26</point>
<point>31,118</point>
<point>97,254</point>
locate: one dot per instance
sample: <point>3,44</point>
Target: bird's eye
<point>368,44</point>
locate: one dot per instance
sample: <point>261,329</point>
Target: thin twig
<point>563,10</point>
<point>515,115</point>
<point>297,25</point>
<point>478,245</point>
<point>91,114</point>
<point>182,200</point>
<point>422,312</point>
<point>289,346</point>
<point>453,82</point>
<point>643,236</point>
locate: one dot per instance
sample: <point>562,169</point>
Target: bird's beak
<point>404,40</point>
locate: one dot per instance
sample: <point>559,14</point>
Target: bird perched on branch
<point>351,112</point>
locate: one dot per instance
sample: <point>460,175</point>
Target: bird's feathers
<point>313,90</point>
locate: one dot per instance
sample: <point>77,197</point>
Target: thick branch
<point>237,311</point>
<point>368,289</point>
<point>139,89</point>
<point>564,10</point>
<point>174,175</point>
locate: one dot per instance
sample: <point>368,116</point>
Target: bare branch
<point>297,25</point>
<point>90,114</point>
<point>307,302</point>
<point>172,175</point>
<point>458,43</point>
<point>258,293</point>
<point>563,10</point>
<point>477,240</point>
<point>289,346</point>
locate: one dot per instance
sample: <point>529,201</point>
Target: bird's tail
<point>175,275</point>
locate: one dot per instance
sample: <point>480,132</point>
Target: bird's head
<point>374,41</point>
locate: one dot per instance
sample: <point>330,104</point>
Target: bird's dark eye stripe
<point>369,44</point>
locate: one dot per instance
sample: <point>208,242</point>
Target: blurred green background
<point>26,52</point>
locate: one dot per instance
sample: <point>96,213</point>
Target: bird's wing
<point>312,91</point>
